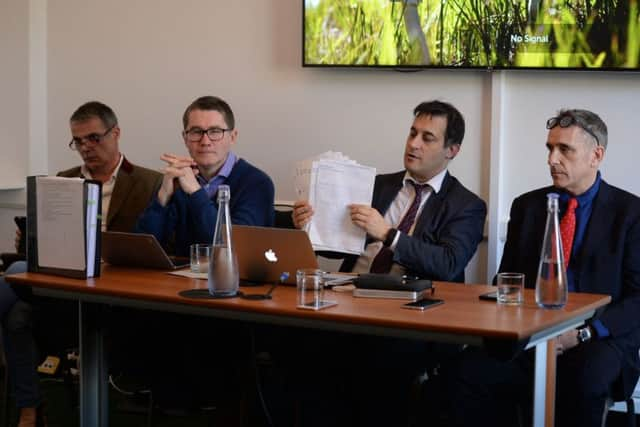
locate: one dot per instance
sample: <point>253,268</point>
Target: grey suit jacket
<point>446,234</point>
<point>135,186</point>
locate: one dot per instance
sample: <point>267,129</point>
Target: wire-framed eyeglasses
<point>77,143</point>
<point>566,121</point>
<point>196,134</point>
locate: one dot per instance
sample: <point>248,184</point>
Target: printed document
<point>331,183</point>
<point>60,223</point>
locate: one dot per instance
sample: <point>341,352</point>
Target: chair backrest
<point>283,215</point>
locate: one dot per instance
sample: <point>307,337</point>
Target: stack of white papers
<point>331,182</point>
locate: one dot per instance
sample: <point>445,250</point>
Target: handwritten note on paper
<point>60,224</point>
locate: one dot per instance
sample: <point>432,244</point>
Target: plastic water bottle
<point>223,265</point>
<point>551,283</point>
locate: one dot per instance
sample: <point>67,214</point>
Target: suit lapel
<point>433,205</point>
<point>124,182</point>
<point>388,191</point>
<point>596,232</point>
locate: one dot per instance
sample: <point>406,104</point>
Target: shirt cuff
<point>600,329</point>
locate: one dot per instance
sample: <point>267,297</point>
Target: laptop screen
<point>264,253</point>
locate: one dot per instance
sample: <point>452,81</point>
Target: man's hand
<point>180,171</point>
<point>566,341</point>
<point>370,220</point>
<point>17,239</point>
<point>301,214</point>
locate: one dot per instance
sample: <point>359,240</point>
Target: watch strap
<point>390,237</point>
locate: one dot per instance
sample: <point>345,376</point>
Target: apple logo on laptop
<point>271,256</point>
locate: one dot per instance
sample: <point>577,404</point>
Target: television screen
<point>548,34</point>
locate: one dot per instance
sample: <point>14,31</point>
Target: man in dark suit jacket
<point>126,191</point>
<point>604,259</point>
<point>449,220</point>
<point>423,222</point>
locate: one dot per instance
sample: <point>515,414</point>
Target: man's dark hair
<point>455,122</point>
<point>95,109</point>
<point>210,103</point>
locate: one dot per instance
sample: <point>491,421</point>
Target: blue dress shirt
<point>583,213</point>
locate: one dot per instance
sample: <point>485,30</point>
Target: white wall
<point>529,99</point>
<point>149,59</point>
<point>14,91</point>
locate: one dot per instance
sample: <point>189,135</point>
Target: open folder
<point>63,226</point>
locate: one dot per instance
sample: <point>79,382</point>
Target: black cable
<point>267,295</point>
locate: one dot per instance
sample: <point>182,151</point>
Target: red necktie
<point>568,229</point>
<point>384,258</point>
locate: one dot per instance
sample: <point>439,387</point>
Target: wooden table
<point>463,318</point>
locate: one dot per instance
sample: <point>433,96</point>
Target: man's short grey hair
<point>589,122</point>
<point>95,109</point>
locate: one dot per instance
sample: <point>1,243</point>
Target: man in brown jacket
<point>126,191</point>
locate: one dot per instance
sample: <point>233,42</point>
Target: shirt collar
<point>85,172</point>
<point>586,197</point>
<point>435,183</point>
<point>225,170</point>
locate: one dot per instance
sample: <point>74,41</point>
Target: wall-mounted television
<point>480,34</point>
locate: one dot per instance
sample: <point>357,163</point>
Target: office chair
<point>618,395</point>
<point>283,216</point>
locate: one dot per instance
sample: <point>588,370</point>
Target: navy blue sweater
<point>189,219</point>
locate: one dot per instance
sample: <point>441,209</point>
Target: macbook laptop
<point>138,250</point>
<point>264,253</point>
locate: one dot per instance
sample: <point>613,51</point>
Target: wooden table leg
<point>550,404</point>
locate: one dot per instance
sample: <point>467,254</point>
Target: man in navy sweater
<point>184,212</point>
<point>185,209</point>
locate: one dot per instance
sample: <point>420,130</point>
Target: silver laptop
<point>138,250</point>
<point>264,253</point>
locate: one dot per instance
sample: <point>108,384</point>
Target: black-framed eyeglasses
<point>566,121</point>
<point>196,134</point>
<point>94,138</point>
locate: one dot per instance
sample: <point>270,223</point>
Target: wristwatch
<point>390,237</point>
<point>584,334</point>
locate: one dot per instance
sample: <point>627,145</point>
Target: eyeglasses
<point>93,138</point>
<point>196,134</point>
<point>566,121</point>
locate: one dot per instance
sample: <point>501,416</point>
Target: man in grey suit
<point>126,191</point>
<point>422,221</point>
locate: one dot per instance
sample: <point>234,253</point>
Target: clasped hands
<point>363,216</point>
<point>180,171</point>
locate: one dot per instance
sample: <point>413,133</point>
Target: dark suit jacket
<point>607,263</point>
<point>134,188</point>
<point>446,234</point>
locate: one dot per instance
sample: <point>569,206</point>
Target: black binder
<point>91,204</point>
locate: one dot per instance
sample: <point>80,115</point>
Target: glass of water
<point>510,288</point>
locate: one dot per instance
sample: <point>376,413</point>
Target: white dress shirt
<point>107,190</point>
<point>393,216</point>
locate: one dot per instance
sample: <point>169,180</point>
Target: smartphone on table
<point>423,304</point>
<point>491,296</point>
